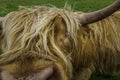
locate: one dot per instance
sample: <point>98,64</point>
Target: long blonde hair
<point>30,32</point>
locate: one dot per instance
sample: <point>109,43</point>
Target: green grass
<point>115,77</point>
<point>81,5</point>
<point>7,6</point>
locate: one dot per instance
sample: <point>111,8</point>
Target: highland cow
<point>44,43</point>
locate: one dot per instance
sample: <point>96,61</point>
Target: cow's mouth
<point>52,71</point>
<point>49,73</point>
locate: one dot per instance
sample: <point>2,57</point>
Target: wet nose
<point>44,74</point>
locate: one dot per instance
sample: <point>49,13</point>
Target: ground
<point>7,6</point>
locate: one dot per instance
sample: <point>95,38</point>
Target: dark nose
<point>43,74</point>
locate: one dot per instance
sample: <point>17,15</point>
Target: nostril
<point>49,73</point>
<point>56,75</point>
<point>44,74</point>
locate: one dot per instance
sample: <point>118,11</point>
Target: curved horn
<point>87,18</point>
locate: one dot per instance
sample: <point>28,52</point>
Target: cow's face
<point>36,49</point>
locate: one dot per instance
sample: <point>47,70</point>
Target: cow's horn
<point>87,18</point>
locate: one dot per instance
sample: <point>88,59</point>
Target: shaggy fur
<point>99,48</point>
<point>37,37</point>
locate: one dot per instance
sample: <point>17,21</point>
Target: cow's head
<point>39,42</point>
